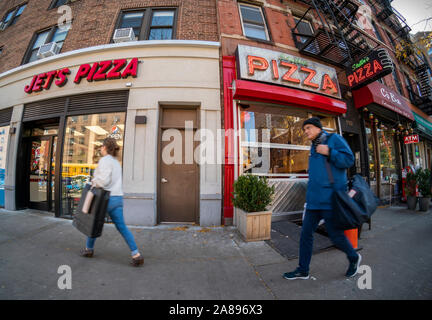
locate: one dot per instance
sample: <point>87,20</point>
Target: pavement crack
<point>255,270</point>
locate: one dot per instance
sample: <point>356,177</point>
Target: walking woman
<point>108,175</point>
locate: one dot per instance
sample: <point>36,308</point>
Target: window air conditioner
<point>48,50</point>
<point>123,35</point>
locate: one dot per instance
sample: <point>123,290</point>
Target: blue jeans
<point>115,210</point>
<point>310,224</point>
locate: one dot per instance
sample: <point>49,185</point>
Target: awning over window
<point>423,125</point>
<point>256,91</point>
<point>377,93</point>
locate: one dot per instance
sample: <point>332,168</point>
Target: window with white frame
<point>272,142</point>
<point>253,22</point>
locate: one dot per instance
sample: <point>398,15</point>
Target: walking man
<point>319,194</point>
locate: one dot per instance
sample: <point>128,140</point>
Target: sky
<point>415,11</point>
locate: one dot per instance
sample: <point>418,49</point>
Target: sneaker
<point>138,261</point>
<point>296,274</point>
<point>353,267</point>
<point>88,253</point>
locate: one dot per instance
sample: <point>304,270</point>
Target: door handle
<point>164,180</point>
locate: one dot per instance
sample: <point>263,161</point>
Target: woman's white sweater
<point>108,175</point>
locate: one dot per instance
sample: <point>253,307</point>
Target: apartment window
<point>12,16</point>
<point>303,27</point>
<point>377,33</point>
<point>57,3</point>
<point>253,22</point>
<point>54,34</point>
<point>150,24</point>
<point>391,39</point>
<point>396,79</point>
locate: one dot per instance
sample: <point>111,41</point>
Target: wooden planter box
<point>254,226</point>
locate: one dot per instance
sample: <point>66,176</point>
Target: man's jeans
<point>115,210</point>
<point>310,223</point>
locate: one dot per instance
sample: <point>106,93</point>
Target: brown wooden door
<point>178,181</point>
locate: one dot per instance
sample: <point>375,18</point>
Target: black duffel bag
<point>351,212</point>
<point>91,223</point>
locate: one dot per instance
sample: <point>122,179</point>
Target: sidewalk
<point>207,263</point>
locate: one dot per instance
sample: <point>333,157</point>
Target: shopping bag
<point>91,223</point>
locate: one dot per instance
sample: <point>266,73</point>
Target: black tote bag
<point>91,223</point>
<point>347,214</point>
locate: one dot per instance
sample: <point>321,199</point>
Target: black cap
<point>314,121</point>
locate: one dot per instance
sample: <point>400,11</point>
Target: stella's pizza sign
<point>287,70</point>
<point>98,71</point>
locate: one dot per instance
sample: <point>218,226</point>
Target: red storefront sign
<point>380,94</point>
<point>280,68</point>
<point>414,138</point>
<point>110,69</point>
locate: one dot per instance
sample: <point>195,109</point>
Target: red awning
<point>383,96</point>
<point>256,91</point>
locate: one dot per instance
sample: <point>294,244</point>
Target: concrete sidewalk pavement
<point>207,263</point>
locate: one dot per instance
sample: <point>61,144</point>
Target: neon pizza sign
<point>370,68</point>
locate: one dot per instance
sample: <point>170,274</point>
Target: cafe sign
<point>284,69</point>
<point>414,138</point>
<point>98,71</point>
<point>369,69</point>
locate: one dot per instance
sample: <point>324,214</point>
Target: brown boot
<point>88,253</point>
<point>138,261</point>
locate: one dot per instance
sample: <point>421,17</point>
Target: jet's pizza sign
<point>98,71</point>
<point>370,68</point>
<point>284,69</point>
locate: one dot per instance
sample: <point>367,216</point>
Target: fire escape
<point>393,19</point>
<point>337,40</point>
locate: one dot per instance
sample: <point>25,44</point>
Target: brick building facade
<point>94,22</point>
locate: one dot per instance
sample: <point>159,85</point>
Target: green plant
<point>410,186</point>
<point>423,181</point>
<point>252,193</point>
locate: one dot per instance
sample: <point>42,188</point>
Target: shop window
<point>273,142</point>
<point>81,161</point>
<point>150,23</point>
<point>13,15</point>
<point>4,134</point>
<point>54,34</point>
<point>253,22</point>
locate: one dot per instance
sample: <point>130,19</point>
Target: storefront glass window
<point>371,155</point>
<point>4,134</point>
<point>389,172</point>
<point>273,143</point>
<point>81,152</point>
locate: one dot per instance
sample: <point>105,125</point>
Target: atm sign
<point>414,138</point>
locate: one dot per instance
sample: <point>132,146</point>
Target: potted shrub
<point>410,190</point>
<point>424,186</point>
<point>251,196</point>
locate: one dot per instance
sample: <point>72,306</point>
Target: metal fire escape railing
<point>393,19</point>
<point>337,40</point>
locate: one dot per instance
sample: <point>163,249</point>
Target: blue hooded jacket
<point>319,190</point>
